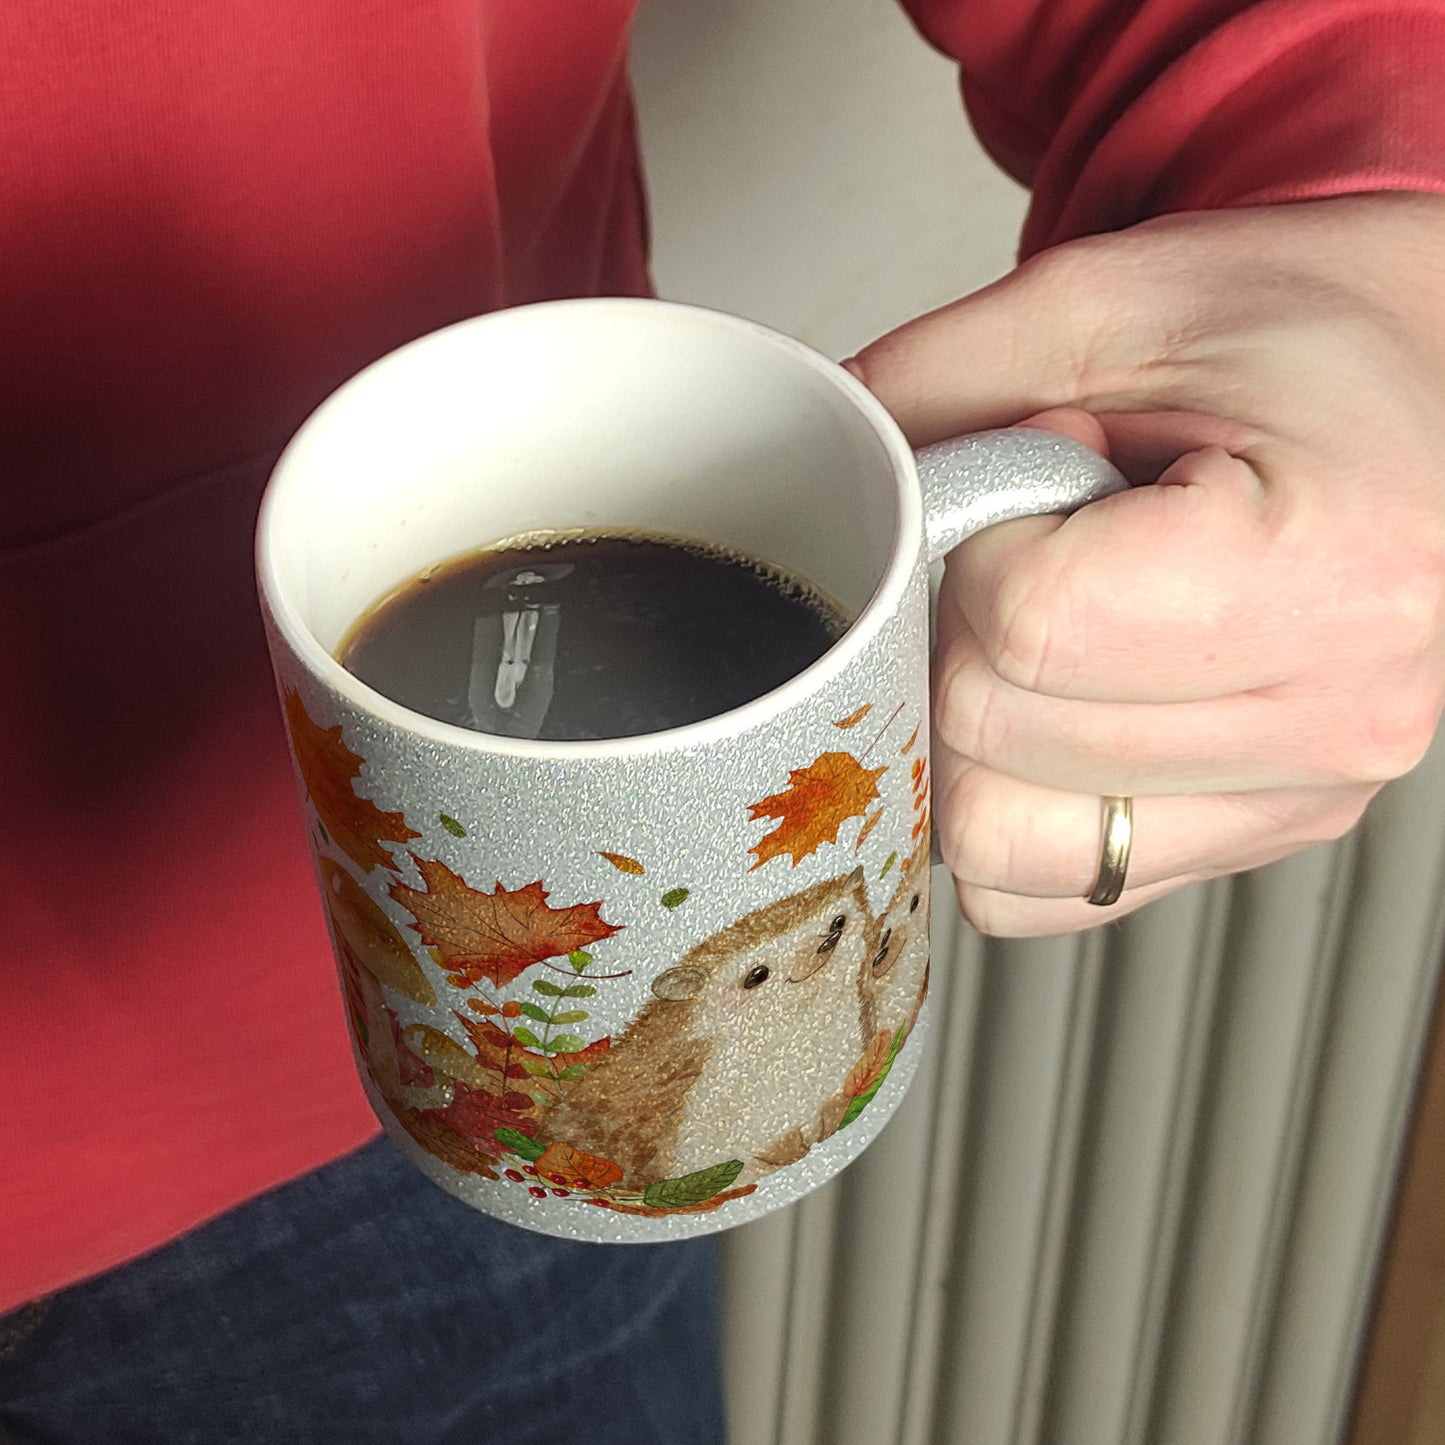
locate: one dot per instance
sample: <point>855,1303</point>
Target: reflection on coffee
<point>590,637</point>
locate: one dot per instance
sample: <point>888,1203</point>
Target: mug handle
<point>971,482</point>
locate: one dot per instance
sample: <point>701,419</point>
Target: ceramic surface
<point>655,986</point>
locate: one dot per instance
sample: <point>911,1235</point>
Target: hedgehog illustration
<point>739,1053</point>
<point>893,983</point>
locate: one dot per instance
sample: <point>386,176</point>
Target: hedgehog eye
<point>913,907</point>
<point>829,943</point>
<point>756,976</point>
<point>838,924</point>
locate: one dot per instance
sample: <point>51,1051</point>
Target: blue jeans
<point>362,1304</point>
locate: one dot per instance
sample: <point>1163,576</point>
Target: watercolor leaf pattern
<point>494,935</point>
<point>567,1165</point>
<point>622,862</point>
<point>329,768</point>
<point>369,936</point>
<point>814,805</point>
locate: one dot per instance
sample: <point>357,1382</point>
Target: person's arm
<point>1255,643</point>
<point>1115,112</point>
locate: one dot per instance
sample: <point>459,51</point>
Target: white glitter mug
<point>654,986</point>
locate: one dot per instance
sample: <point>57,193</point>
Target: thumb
<point>1046,336</point>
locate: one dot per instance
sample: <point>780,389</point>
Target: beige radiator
<point>1138,1191</point>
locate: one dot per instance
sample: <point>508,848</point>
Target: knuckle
<point>1075,272</point>
<point>1029,627</point>
<point>948,688</point>
<point>1419,608</point>
<point>1391,739</point>
<point>1083,277</point>
<point>1401,601</point>
<point>964,714</point>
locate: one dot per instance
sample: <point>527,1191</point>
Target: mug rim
<point>887,596</point>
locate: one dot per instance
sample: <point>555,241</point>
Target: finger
<point>1152,595</point>
<point>1143,445</point>
<point>1037,339</point>
<point>1072,422</point>
<point>998,833</point>
<point>1247,742</point>
<point>1007,915</point>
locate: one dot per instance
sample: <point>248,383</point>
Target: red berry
<point>562,1193</point>
<point>537,1193</point>
<point>532,1170</point>
<point>514,1176</point>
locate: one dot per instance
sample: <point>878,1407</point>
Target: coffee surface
<point>590,637</point>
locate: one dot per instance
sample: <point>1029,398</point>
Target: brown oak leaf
<point>494,935</point>
<point>329,768</point>
<point>446,1144</point>
<point>563,1164</point>
<point>816,802</point>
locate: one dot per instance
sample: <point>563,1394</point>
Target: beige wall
<point>811,166</point>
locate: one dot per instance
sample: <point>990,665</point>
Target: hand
<point>1253,644</point>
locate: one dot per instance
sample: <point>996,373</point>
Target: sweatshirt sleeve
<point>1113,111</point>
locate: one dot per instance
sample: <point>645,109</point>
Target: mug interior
<point>606,416</point>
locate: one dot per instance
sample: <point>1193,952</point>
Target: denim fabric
<point>362,1304</point>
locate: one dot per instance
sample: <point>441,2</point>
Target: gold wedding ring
<point>1116,837</point>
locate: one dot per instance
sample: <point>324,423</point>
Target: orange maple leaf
<point>816,802</point>
<point>328,768</point>
<point>494,935</point>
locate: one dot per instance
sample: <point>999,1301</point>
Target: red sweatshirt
<point>209,217</point>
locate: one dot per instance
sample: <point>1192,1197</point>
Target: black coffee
<point>590,637</point>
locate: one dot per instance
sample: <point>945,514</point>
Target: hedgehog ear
<point>679,984</point>
<point>855,878</point>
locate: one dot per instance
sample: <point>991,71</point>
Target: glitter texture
<point>682,811</point>
<point>972,482</point>
<point>739,1022</point>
